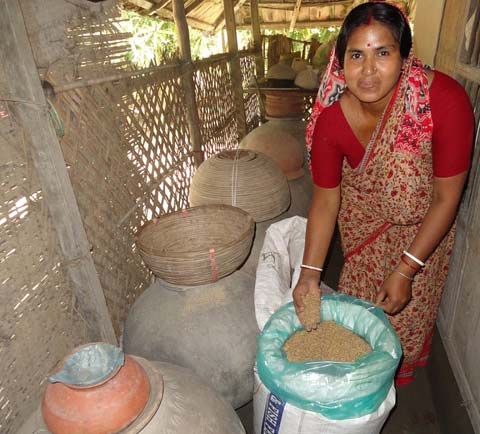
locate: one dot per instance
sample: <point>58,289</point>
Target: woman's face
<point>372,63</point>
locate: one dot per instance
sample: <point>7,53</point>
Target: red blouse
<point>452,140</point>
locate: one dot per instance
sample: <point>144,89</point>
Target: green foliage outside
<point>154,40</point>
<point>321,34</point>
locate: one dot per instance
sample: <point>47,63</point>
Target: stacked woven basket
<point>243,178</point>
<point>198,245</point>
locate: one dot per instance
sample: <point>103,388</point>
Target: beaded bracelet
<point>414,258</point>
<point>311,267</point>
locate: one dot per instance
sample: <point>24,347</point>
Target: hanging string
<point>235,177</point>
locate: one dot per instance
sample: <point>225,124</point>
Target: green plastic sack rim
<point>337,390</point>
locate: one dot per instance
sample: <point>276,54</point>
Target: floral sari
<point>383,202</point>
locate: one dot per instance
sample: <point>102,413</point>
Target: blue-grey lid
<point>89,365</point>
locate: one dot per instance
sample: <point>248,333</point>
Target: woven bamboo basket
<point>198,245</point>
<point>244,178</point>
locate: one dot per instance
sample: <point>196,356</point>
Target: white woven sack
<point>281,253</point>
<point>271,415</point>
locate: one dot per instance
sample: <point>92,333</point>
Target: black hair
<point>384,13</point>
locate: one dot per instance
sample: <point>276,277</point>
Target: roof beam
<point>296,11</point>
<point>299,24</point>
<point>291,5</point>
<point>221,22</point>
<point>202,25</point>
<point>193,6</point>
<point>143,4</point>
<point>159,9</point>
<point>157,6</point>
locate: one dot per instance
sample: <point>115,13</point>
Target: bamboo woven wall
<point>126,145</point>
<point>39,321</point>
<point>214,93</point>
<point>252,106</point>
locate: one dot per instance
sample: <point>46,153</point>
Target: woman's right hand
<point>320,227</point>
<point>305,285</point>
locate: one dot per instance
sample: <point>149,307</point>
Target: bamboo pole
<point>299,24</point>
<point>235,69</point>
<point>187,79</point>
<point>296,11</point>
<point>257,38</point>
<point>31,112</point>
<point>77,84</point>
<point>158,6</point>
<point>317,4</point>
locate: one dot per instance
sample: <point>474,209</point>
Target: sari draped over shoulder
<point>383,203</point>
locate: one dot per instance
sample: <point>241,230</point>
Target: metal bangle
<point>404,275</point>
<point>414,258</point>
<point>311,267</point>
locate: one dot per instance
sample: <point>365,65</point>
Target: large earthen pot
<point>180,403</point>
<point>294,127</point>
<point>301,191</point>
<point>287,104</point>
<point>281,146</point>
<point>210,329</point>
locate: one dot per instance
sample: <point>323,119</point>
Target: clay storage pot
<point>281,74</point>
<point>287,104</point>
<point>280,146</point>
<point>294,127</point>
<point>301,192</point>
<point>180,402</point>
<point>243,178</point>
<point>197,245</point>
<point>98,390</point>
<point>210,329</point>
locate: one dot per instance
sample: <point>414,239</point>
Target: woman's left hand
<point>394,294</point>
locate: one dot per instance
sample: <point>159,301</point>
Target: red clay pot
<point>102,409</point>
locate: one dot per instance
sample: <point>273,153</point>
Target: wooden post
<point>29,107</point>
<point>257,38</point>
<point>187,78</point>
<point>235,70</point>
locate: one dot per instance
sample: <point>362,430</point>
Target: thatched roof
<point>279,14</point>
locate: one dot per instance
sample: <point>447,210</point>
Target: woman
<point>390,150</point>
